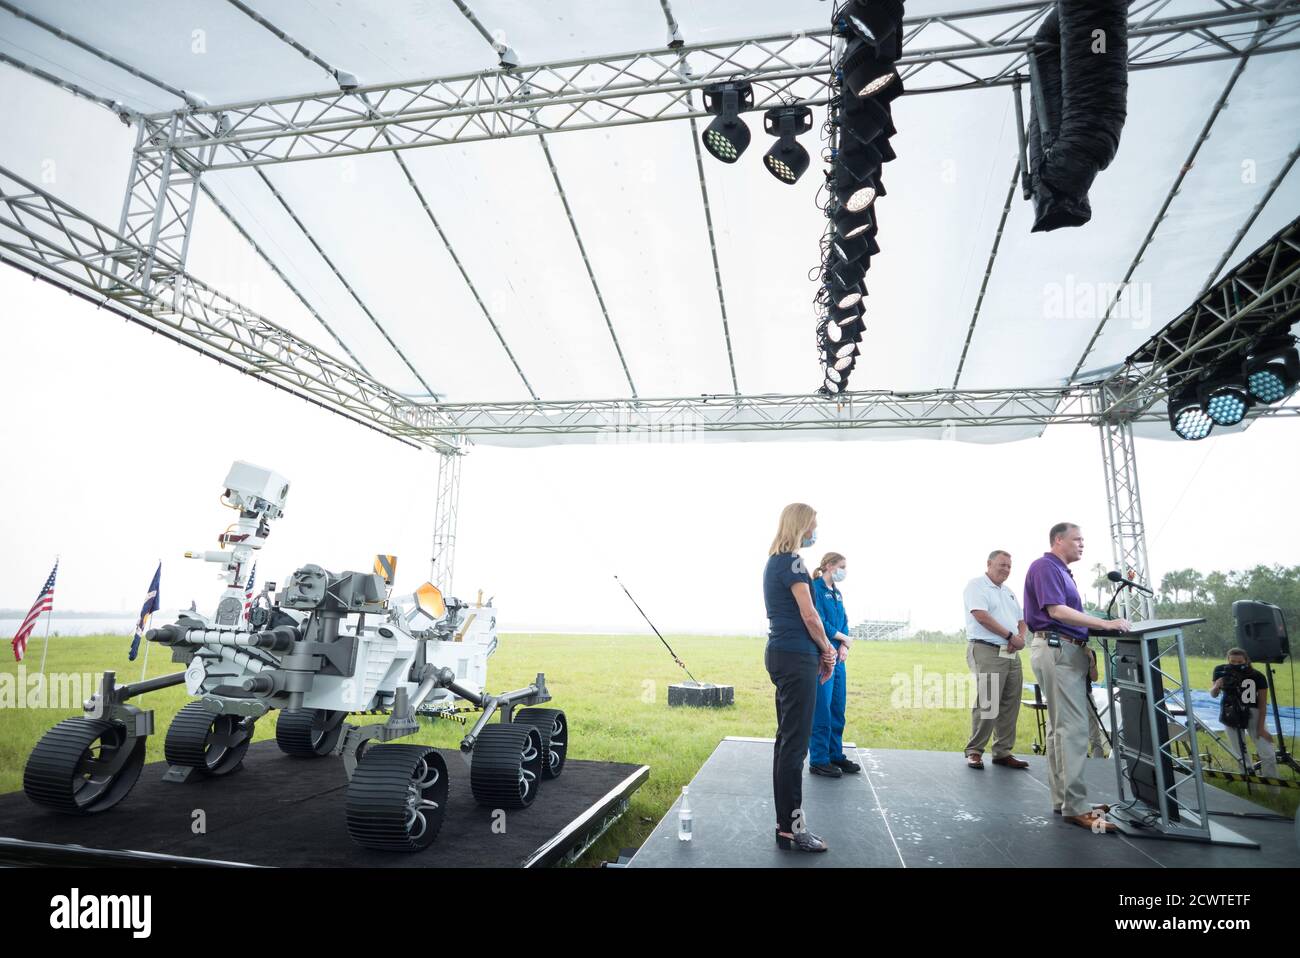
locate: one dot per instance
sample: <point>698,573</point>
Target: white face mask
<point>838,575</point>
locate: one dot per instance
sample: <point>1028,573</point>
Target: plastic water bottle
<point>684,818</point>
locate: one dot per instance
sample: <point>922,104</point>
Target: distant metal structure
<point>138,270</point>
<point>880,630</point>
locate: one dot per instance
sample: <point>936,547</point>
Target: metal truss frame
<point>1260,297</point>
<point>947,410</point>
<point>654,85</point>
<point>446,515</point>
<point>1124,505</point>
<point>879,630</point>
<point>50,238</point>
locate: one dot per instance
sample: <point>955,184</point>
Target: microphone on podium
<point>1114,576</point>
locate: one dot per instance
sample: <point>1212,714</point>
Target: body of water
<point>105,626</point>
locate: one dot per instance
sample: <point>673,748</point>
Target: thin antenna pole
<point>656,631</point>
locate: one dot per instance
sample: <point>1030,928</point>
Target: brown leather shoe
<point>1010,761</point>
<point>1093,821</point>
<point>974,761</point>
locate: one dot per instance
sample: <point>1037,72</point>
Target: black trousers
<point>795,676</point>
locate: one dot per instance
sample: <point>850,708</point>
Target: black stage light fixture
<point>836,271</point>
<point>863,120</point>
<point>850,225</point>
<point>878,21</point>
<point>727,136</point>
<point>1273,371</point>
<point>887,154</point>
<point>866,73</point>
<point>1225,399</point>
<point>843,315</point>
<point>855,250</point>
<point>853,193</point>
<point>844,295</point>
<point>860,160</point>
<point>787,159</point>
<point>1186,417</point>
<point>853,330</point>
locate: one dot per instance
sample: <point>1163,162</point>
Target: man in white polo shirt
<point>995,632</point>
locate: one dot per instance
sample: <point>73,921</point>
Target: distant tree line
<point>1189,594</point>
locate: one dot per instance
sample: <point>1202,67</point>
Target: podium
<point>1165,793</point>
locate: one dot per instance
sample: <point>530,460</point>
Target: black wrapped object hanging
<point>1079,86</point>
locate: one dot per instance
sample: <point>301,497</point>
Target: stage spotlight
<point>787,159</point>
<point>879,21</point>
<point>860,160</point>
<point>727,136</point>
<point>854,250</point>
<point>1187,418</point>
<point>1273,372</point>
<point>842,315</point>
<point>845,296</point>
<point>863,120</point>
<point>853,330</point>
<point>866,73</point>
<point>854,193</point>
<point>852,225</point>
<point>1225,399</point>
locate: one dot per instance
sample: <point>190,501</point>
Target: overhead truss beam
<point>651,85</point>
<point>44,235</point>
<point>1259,298</point>
<point>947,409</point>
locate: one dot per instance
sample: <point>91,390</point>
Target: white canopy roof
<point>638,207</point>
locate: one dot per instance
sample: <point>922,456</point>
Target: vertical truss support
<point>1124,501</point>
<point>446,511</point>
<point>158,210</point>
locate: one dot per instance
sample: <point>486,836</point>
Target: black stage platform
<point>281,811</point>
<point>924,809</point>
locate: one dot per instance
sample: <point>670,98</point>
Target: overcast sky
<point>116,444</point>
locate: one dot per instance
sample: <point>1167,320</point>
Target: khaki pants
<point>1264,748</point>
<point>1062,673</point>
<point>998,684</point>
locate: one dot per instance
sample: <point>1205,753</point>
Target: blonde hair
<point>828,560</point>
<point>795,520</point>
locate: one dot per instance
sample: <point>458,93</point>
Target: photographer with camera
<point>1245,701</point>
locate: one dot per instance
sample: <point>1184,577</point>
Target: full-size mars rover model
<point>325,646</point>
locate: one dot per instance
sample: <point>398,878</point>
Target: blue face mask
<point>808,540</point>
<point>838,575</point>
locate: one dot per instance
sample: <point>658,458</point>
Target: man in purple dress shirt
<point>1059,656</point>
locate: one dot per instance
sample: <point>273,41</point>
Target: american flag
<point>44,603</point>
<point>248,592</point>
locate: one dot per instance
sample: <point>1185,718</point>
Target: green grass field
<point>614,690</point>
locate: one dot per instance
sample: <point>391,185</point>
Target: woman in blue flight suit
<point>826,747</point>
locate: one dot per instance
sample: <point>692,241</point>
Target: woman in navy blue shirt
<point>826,747</point>
<point>798,656</point>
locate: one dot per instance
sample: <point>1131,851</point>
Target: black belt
<point>987,642</point>
<point>1047,634</point>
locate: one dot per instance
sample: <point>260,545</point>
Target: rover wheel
<point>397,798</point>
<point>506,767</point>
<point>208,742</point>
<point>554,729</point>
<point>308,733</point>
<point>83,766</point>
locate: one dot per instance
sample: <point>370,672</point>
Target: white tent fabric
<point>635,197</point>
